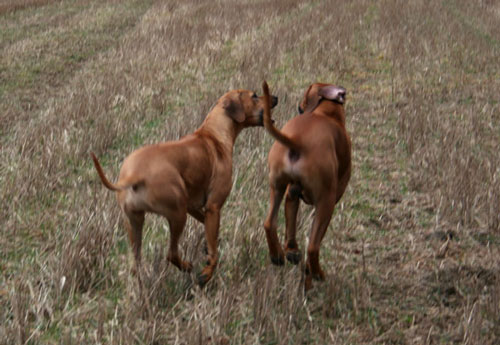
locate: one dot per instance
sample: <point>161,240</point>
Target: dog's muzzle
<point>274,101</point>
<point>261,118</point>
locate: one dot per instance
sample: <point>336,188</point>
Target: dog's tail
<point>268,123</point>
<point>104,180</point>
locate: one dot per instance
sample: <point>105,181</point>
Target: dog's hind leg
<point>177,221</point>
<point>134,221</point>
<point>271,223</point>
<point>324,211</point>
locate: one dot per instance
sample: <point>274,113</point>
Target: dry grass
<point>412,252</point>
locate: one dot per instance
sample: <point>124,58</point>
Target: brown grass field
<point>412,254</point>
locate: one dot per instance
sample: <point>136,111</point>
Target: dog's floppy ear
<point>333,93</point>
<point>312,99</point>
<point>233,109</point>
<point>315,94</point>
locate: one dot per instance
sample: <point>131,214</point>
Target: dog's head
<point>318,92</point>
<point>245,108</point>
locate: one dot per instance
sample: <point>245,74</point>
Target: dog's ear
<point>333,93</point>
<point>314,95</point>
<point>233,109</point>
<point>312,99</point>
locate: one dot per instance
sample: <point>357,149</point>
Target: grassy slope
<point>408,260</point>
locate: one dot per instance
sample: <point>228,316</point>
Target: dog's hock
<point>333,93</point>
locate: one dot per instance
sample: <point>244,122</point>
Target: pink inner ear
<point>333,93</point>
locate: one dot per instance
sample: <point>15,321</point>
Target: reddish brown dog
<point>311,160</point>
<point>191,175</point>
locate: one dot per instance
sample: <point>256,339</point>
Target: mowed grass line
<point>7,6</point>
<point>22,24</point>
<point>35,67</point>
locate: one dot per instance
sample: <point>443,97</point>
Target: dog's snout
<point>274,101</point>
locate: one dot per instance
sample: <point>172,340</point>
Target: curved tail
<point>268,123</point>
<point>104,180</point>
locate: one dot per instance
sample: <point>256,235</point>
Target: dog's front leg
<point>212,219</point>
<point>292,251</point>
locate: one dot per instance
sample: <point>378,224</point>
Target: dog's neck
<point>220,127</point>
<point>332,110</point>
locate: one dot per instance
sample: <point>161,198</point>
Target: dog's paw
<point>320,275</point>
<point>278,260</point>
<point>294,256</point>
<point>203,279</point>
<point>186,266</point>
<point>205,275</point>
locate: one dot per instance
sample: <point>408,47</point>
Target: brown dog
<point>311,160</point>
<point>191,175</point>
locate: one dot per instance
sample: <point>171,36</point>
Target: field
<point>412,254</point>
